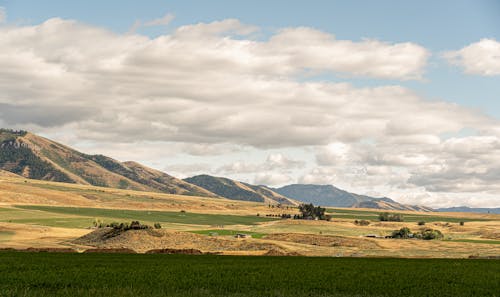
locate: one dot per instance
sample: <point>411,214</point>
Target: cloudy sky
<point>375,97</point>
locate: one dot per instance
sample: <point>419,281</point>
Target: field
<point>48,274</point>
<point>47,214</point>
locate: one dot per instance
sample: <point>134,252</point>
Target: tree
<point>309,211</point>
<point>390,217</point>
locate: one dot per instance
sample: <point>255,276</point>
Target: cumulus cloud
<point>276,161</point>
<point>3,15</point>
<point>481,58</point>
<point>272,179</point>
<point>211,88</point>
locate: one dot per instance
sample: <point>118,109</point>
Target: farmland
<point>47,274</point>
<point>37,214</point>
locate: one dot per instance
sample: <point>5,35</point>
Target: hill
<point>36,157</point>
<point>236,190</point>
<point>469,209</point>
<point>328,195</point>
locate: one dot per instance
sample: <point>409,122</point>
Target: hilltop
<point>328,195</point>
<point>237,190</point>
<point>36,157</point>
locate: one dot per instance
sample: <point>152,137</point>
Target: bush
<point>402,233</point>
<point>157,226</point>
<point>362,222</point>
<point>390,217</point>
<point>421,223</point>
<point>429,234</point>
<point>462,223</point>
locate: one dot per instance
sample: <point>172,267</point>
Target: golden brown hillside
<point>36,157</point>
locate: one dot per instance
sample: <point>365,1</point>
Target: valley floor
<point>38,214</point>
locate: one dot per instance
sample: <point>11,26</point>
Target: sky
<point>385,98</point>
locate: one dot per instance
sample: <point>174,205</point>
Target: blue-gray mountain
<point>237,190</point>
<point>470,209</point>
<point>328,195</point>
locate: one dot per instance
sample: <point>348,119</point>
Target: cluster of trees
<point>311,212</point>
<point>21,158</point>
<point>13,132</point>
<point>390,217</point>
<point>427,234</point>
<point>134,225</point>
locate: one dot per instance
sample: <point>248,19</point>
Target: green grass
<point>373,216</point>
<point>225,232</point>
<point>46,274</point>
<point>6,235</point>
<point>151,216</point>
<point>477,241</point>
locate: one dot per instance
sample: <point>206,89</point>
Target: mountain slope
<point>236,190</point>
<point>469,209</point>
<point>328,195</point>
<point>32,156</point>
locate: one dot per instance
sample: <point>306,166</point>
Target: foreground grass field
<point>46,274</point>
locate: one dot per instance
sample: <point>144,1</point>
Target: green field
<point>373,215</point>
<point>109,215</point>
<point>49,274</point>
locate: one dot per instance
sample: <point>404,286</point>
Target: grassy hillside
<point>39,158</point>
<point>236,190</point>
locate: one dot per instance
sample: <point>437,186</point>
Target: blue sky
<point>387,98</point>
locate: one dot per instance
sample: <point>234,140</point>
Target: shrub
<point>429,234</point>
<point>390,217</point>
<point>421,223</point>
<point>462,223</point>
<point>362,222</point>
<point>402,233</point>
<point>157,226</point>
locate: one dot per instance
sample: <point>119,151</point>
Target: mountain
<point>328,195</point>
<point>35,157</point>
<point>236,190</point>
<point>469,209</point>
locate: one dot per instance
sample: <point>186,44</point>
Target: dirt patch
<point>280,252</point>
<point>112,251</point>
<point>145,240</point>
<point>176,251</point>
<point>323,240</point>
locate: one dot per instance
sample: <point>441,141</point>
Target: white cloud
<point>481,58</point>
<point>273,162</point>
<point>3,15</point>
<point>210,89</point>
<point>272,179</point>
<point>163,21</point>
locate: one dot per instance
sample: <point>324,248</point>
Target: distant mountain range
<point>469,209</point>
<point>328,195</point>
<point>31,156</point>
<point>236,190</point>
